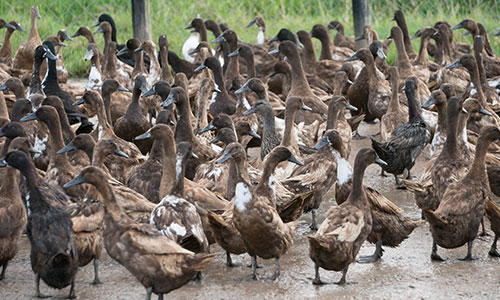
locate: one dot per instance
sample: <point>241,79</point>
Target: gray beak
<point>251,23</point>
<point>207,128</point>
<point>78,102</point>
<point>352,58</point>
<point>219,39</point>
<point>122,51</point>
<point>122,89</point>
<point>248,112</point>
<point>242,89</point>
<point>295,160</point>
<point>429,102</point>
<point>76,181</point>
<point>50,55</point>
<point>67,148</point>
<point>485,112</point>
<point>225,157</point>
<point>458,26</point>
<point>144,136</point>
<point>200,67</point>
<point>454,65</point>
<point>380,162</point>
<point>138,48</point>
<point>305,107</point>
<point>351,107</point>
<point>149,93</point>
<point>3,163</point>
<point>254,134</point>
<point>464,110</point>
<point>67,37</point>
<point>322,143</point>
<point>29,117</point>
<point>275,51</point>
<point>359,38</point>
<point>235,53</point>
<point>120,153</point>
<point>10,26</point>
<point>3,87</point>
<point>170,99</point>
<point>99,30</point>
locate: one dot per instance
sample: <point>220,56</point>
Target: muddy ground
<point>403,273</point>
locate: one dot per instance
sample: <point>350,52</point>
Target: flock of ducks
<point>158,175</point>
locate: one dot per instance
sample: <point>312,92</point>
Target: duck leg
<point>37,284</point>
<point>276,269</point>
<point>4,267</point>
<point>382,173</point>
<point>357,136</point>
<point>149,291</point>
<point>197,278</point>
<point>229,261</point>
<point>469,252</point>
<point>434,254</point>
<point>96,273</point>
<point>160,297</point>
<point>72,290</point>
<point>483,228</point>
<point>376,255</point>
<point>493,249</point>
<point>317,279</point>
<point>314,222</point>
<point>254,268</point>
<point>344,273</point>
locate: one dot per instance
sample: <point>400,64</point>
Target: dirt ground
<point>403,273</point>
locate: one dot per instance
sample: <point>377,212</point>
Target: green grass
<point>170,18</point>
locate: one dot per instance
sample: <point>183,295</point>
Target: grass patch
<point>170,18</point>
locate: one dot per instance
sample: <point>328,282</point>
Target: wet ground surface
<point>405,272</point>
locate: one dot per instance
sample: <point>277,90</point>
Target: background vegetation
<point>170,18</point>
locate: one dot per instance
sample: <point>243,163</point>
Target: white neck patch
<point>344,169</point>
<point>242,196</point>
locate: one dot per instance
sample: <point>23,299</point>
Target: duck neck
<point>450,146</point>
<point>326,47</point>
<point>413,112</point>
<point>422,59</point>
<point>474,76</point>
<point>110,70</point>
<point>4,112</point>
<point>479,62</point>
<point>36,200</point>
<point>442,117</point>
<point>60,160</point>
<point>134,107</point>
<point>165,71</point>
<point>68,133</point>
<point>102,116</point>
<point>51,78</point>
<point>203,33</point>
<point>406,36</point>
<point>95,62</point>
<point>333,115</point>
<point>106,98</point>
<point>394,105</point>
<point>299,82</point>
<point>286,84</point>
<point>5,148</point>
<point>249,59</point>
<point>139,63</point>
<point>289,139</point>
<point>358,192</point>
<point>180,168</point>
<point>478,169</point>
<point>184,129</point>
<point>402,61</point>
<point>169,162</point>
<point>9,187</point>
<point>112,208</point>
<point>33,30</point>
<point>232,180</point>
<point>266,183</point>
<point>6,50</point>
<point>241,168</point>
<point>107,38</point>
<point>308,55</point>
<point>233,67</point>
<point>438,55</point>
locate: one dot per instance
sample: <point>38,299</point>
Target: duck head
<point>261,107</point>
<point>90,51</point>
<point>104,27</point>
<point>82,31</point>
<point>279,154</point>
<point>224,135</point>
<point>91,175</point>
<point>377,49</point>
<point>82,142</point>
<point>176,95</point>
<point>257,21</point>
<point>243,128</point>
<point>332,138</point>
<point>437,97</point>
<point>285,35</point>
<point>12,130</point>
<point>62,35</point>
<point>161,88</point>
<point>218,122</point>
<point>233,151</point>
<point>106,147</point>
<point>156,132</point>
<point>362,54</point>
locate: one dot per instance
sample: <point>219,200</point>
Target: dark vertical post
<point>141,20</point>
<point>361,17</point>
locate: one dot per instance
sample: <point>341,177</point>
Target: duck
<point>95,78</point>
<point>395,115</point>
<point>489,92</point>
<point>399,17</point>
<point>35,87</point>
<point>177,218</point>
<point>328,50</point>
<point>439,99</point>
<point>422,62</point>
<point>120,101</point>
<point>6,48</point>
<point>166,75</point>
<point>261,35</point>
<point>119,167</point>
<point>83,142</point>
<point>407,141</point>
<point>12,215</point>
<point>474,29</point>
<point>222,102</point>
<point>346,226</point>
<point>133,122</point>
<point>299,86</point>
<point>262,230</point>
<point>184,130</point>
<point>493,213</point>
<point>456,220</point>
<point>340,40</point>
<point>54,257</point>
<point>191,43</point>
<point>317,175</point>
<point>180,65</point>
<point>23,59</point>
<point>154,66</point>
<point>138,246</point>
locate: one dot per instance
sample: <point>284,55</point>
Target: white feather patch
<point>242,196</point>
<point>348,232</point>
<point>344,170</point>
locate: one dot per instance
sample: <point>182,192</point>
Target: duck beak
<point>99,30</point>
<point>251,23</point>
<point>352,58</point>
<point>146,135</point>
<point>322,143</point>
<point>458,26</point>
<point>138,49</point>
<point>359,38</point>
<point>305,107</point>
<point>66,36</point>
<point>3,87</point>
<point>170,99</point>
<point>295,160</point>
<point>209,127</point>
<point>498,32</point>
<point>485,112</point>
<point>216,90</point>
<point>144,88</point>
<point>464,110</point>
<point>50,55</point>
<point>78,102</point>
<point>88,55</point>
<point>29,117</point>
<point>192,155</point>
<point>194,51</point>
<point>380,53</point>
<point>75,35</point>
<point>351,107</point>
<point>122,51</point>
<point>275,51</point>
<point>214,140</point>
<point>429,102</point>
<point>149,93</point>
<point>299,44</point>
<point>242,89</point>
<point>466,33</point>
<point>219,39</point>
<point>97,24</point>
<point>454,65</point>
<point>75,181</point>
<point>122,89</point>
<point>416,35</point>
<point>63,44</point>
<point>273,73</point>
<point>235,53</point>
<point>3,163</point>
<point>380,162</point>
<point>67,148</point>
<point>274,39</point>
<point>189,26</point>
<point>253,134</point>
<point>239,40</point>
<point>200,67</point>
<point>225,157</point>
<point>120,153</point>
<point>10,26</point>
<point>248,112</point>
<point>489,52</point>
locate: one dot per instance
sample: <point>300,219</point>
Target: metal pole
<point>361,17</point>
<point>141,20</point>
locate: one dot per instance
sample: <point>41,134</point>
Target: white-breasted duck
<point>345,228</point>
<point>139,246</point>
<point>95,79</point>
<point>191,43</point>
